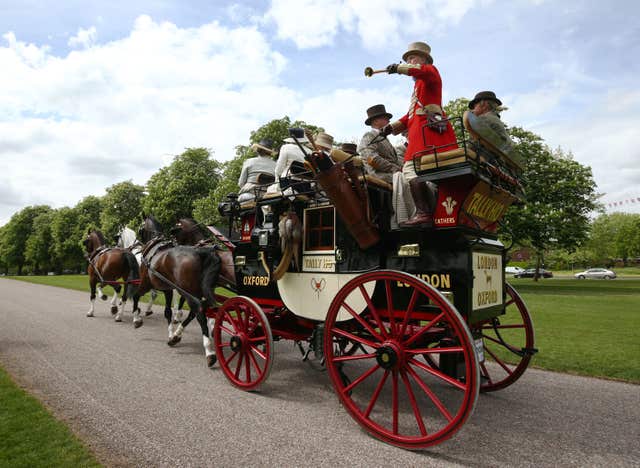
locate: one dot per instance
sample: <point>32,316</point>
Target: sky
<point>96,92</point>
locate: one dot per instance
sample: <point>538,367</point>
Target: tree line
<point>560,197</point>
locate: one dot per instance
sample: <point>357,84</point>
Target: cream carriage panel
<point>309,295</point>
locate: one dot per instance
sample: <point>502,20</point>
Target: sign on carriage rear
<point>487,280</point>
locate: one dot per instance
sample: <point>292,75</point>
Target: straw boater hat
<point>482,96</point>
<point>350,148</point>
<point>376,111</point>
<point>264,146</point>
<point>418,48</point>
<point>324,141</point>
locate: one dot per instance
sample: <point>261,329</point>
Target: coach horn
<point>370,71</point>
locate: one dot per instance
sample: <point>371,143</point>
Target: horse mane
<point>98,233</point>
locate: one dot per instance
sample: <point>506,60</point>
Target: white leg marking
<point>91,310</point>
<point>208,346</point>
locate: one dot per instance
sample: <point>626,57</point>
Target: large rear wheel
<point>383,381</point>
<point>508,342</point>
<point>243,342</point>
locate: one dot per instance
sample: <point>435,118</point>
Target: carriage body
<point>417,302</point>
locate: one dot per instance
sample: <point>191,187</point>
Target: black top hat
<point>264,146</point>
<point>484,95</point>
<point>350,148</point>
<point>376,111</point>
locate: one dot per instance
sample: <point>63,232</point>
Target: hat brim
<point>257,146</point>
<point>419,52</point>
<point>473,102</point>
<point>384,114</point>
<point>302,140</point>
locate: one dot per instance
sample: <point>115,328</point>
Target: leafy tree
<point>560,197</point>
<point>616,235</point>
<point>206,209</point>
<point>456,108</point>
<point>67,238</point>
<point>39,252</point>
<point>16,233</point>
<point>121,205</point>
<point>4,266</point>
<point>173,190</point>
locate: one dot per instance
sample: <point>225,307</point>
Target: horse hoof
<point>137,324</point>
<point>118,319</point>
<point>89,314</point>
<point>104,297</point>
<point>148,312</point>
<point>174,340</point>
<point>211,360</point>
<point>114,310</point>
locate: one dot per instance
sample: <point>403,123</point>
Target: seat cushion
<point>458,155</point>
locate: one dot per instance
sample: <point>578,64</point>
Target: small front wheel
<point>243,342</point>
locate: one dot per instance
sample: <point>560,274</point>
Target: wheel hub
<point>236,343</point>
<point>387,356</point>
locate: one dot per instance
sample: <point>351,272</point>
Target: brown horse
<point>108,265</point>
<point>192,271</point>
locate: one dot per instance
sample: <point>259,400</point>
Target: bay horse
<point>108,265</point>
<point>193,271</point>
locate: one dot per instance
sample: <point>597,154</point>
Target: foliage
<point>173,190</point>
<point>616,235</point>
<point>454,109</point>
<point>39,252</point>
<point>67,238</point>
<point>206,209</point>
<point>15,234</point>
<point>560,197</point>
<point>121,205</point>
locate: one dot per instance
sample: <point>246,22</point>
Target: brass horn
<point>370,71</point>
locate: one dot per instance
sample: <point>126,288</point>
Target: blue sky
<point>96,92</point>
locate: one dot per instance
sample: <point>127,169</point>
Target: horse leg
<point>143,288</point>
<point>207,342</point>
<point>101,294</point>
<point>119,309</point>
<point>174,328</point>
<point>92,299</point>
<point>148,310</point>
<point>179,314</point>
<point>114,307</point>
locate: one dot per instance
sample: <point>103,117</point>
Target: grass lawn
<point>31,437</point>
<point>587,327</point>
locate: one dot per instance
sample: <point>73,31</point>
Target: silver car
<point>599,273</point>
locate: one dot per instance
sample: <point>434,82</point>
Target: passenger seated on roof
<point>484,119</point>
<point>289,153</point>
<point>256,170</point>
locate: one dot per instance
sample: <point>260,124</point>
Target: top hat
<point>418,48</point>
<point>484,95</point>
<point>324,140</point>
<point>350,148</point>
<point>376,111</point>
<point>264,146</point>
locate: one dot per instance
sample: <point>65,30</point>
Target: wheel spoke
<point>485,372</point>
<point>412,304</point>
<point>376,394</point>
<point>254,361</point>
<point>424,329</point>
<point>232,321</point>
<point>362,322</point>
<point>239,366</point>
<point>434,398</point>
<point>258,352</point>
<point>355,338</point>
<point>392,320</point>
<point>394,401</point>
<point>225,329</point>
<point>454,349</point>
<point>361,379</point>
<point>374,311</point>
<point>353,358</point>
<point>497,359</point>
<point>414,404</point>
<point>438,374</point>
<point>247,365</point>
<point>513,349</point>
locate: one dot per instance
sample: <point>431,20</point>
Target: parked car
<point>513,270</point>
<point>530,273</point>
<point>600,273</point>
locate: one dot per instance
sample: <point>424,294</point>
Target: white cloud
<point>85,38</point>
<point>378,23</point>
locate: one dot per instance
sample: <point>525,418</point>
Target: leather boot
<point>422,196</point>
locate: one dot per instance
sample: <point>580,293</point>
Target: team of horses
<point>187,261</point>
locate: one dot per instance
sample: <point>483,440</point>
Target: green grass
<point>585,327</point>
<point>31,437</point>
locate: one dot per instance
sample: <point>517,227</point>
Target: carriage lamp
<point>240,260</point>
<point>409,250</point>
<point>263,238</point>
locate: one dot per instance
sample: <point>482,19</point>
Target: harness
<point>92,258</point>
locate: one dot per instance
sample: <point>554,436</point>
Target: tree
<point>560,196</point>
<point>39,252</point>
<point>173,190</point>
<point>206,209</point>
<point>121,205</point>
<point>454,109</point>
<point>615,235</point>
<point>16,233</point>
<point>67,239</point>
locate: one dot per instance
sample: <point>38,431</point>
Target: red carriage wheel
<point>243,342</point>
<point>508,342</point>
<point>389,320</point>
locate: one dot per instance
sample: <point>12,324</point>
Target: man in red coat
<point>426,130</point>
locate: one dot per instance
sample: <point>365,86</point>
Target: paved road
<point>138,402</point>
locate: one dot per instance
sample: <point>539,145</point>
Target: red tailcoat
<point>427,90</point>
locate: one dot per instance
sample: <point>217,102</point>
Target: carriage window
<point>319,227</point>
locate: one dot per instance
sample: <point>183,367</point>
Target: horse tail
<point>134,272</point>
<point>211,264</point>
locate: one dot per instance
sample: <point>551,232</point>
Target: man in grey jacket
<point>376,150</point>
<point>485,120</point>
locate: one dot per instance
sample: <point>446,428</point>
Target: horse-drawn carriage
<point>411,324</point>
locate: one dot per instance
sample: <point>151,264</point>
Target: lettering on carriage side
<point>255,280</point>
<point>437,280</point>
<point>485,207</point>
<point>320,263</point>
<point>487,280</point>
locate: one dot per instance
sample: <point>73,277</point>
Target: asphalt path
<point>137,402</point>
